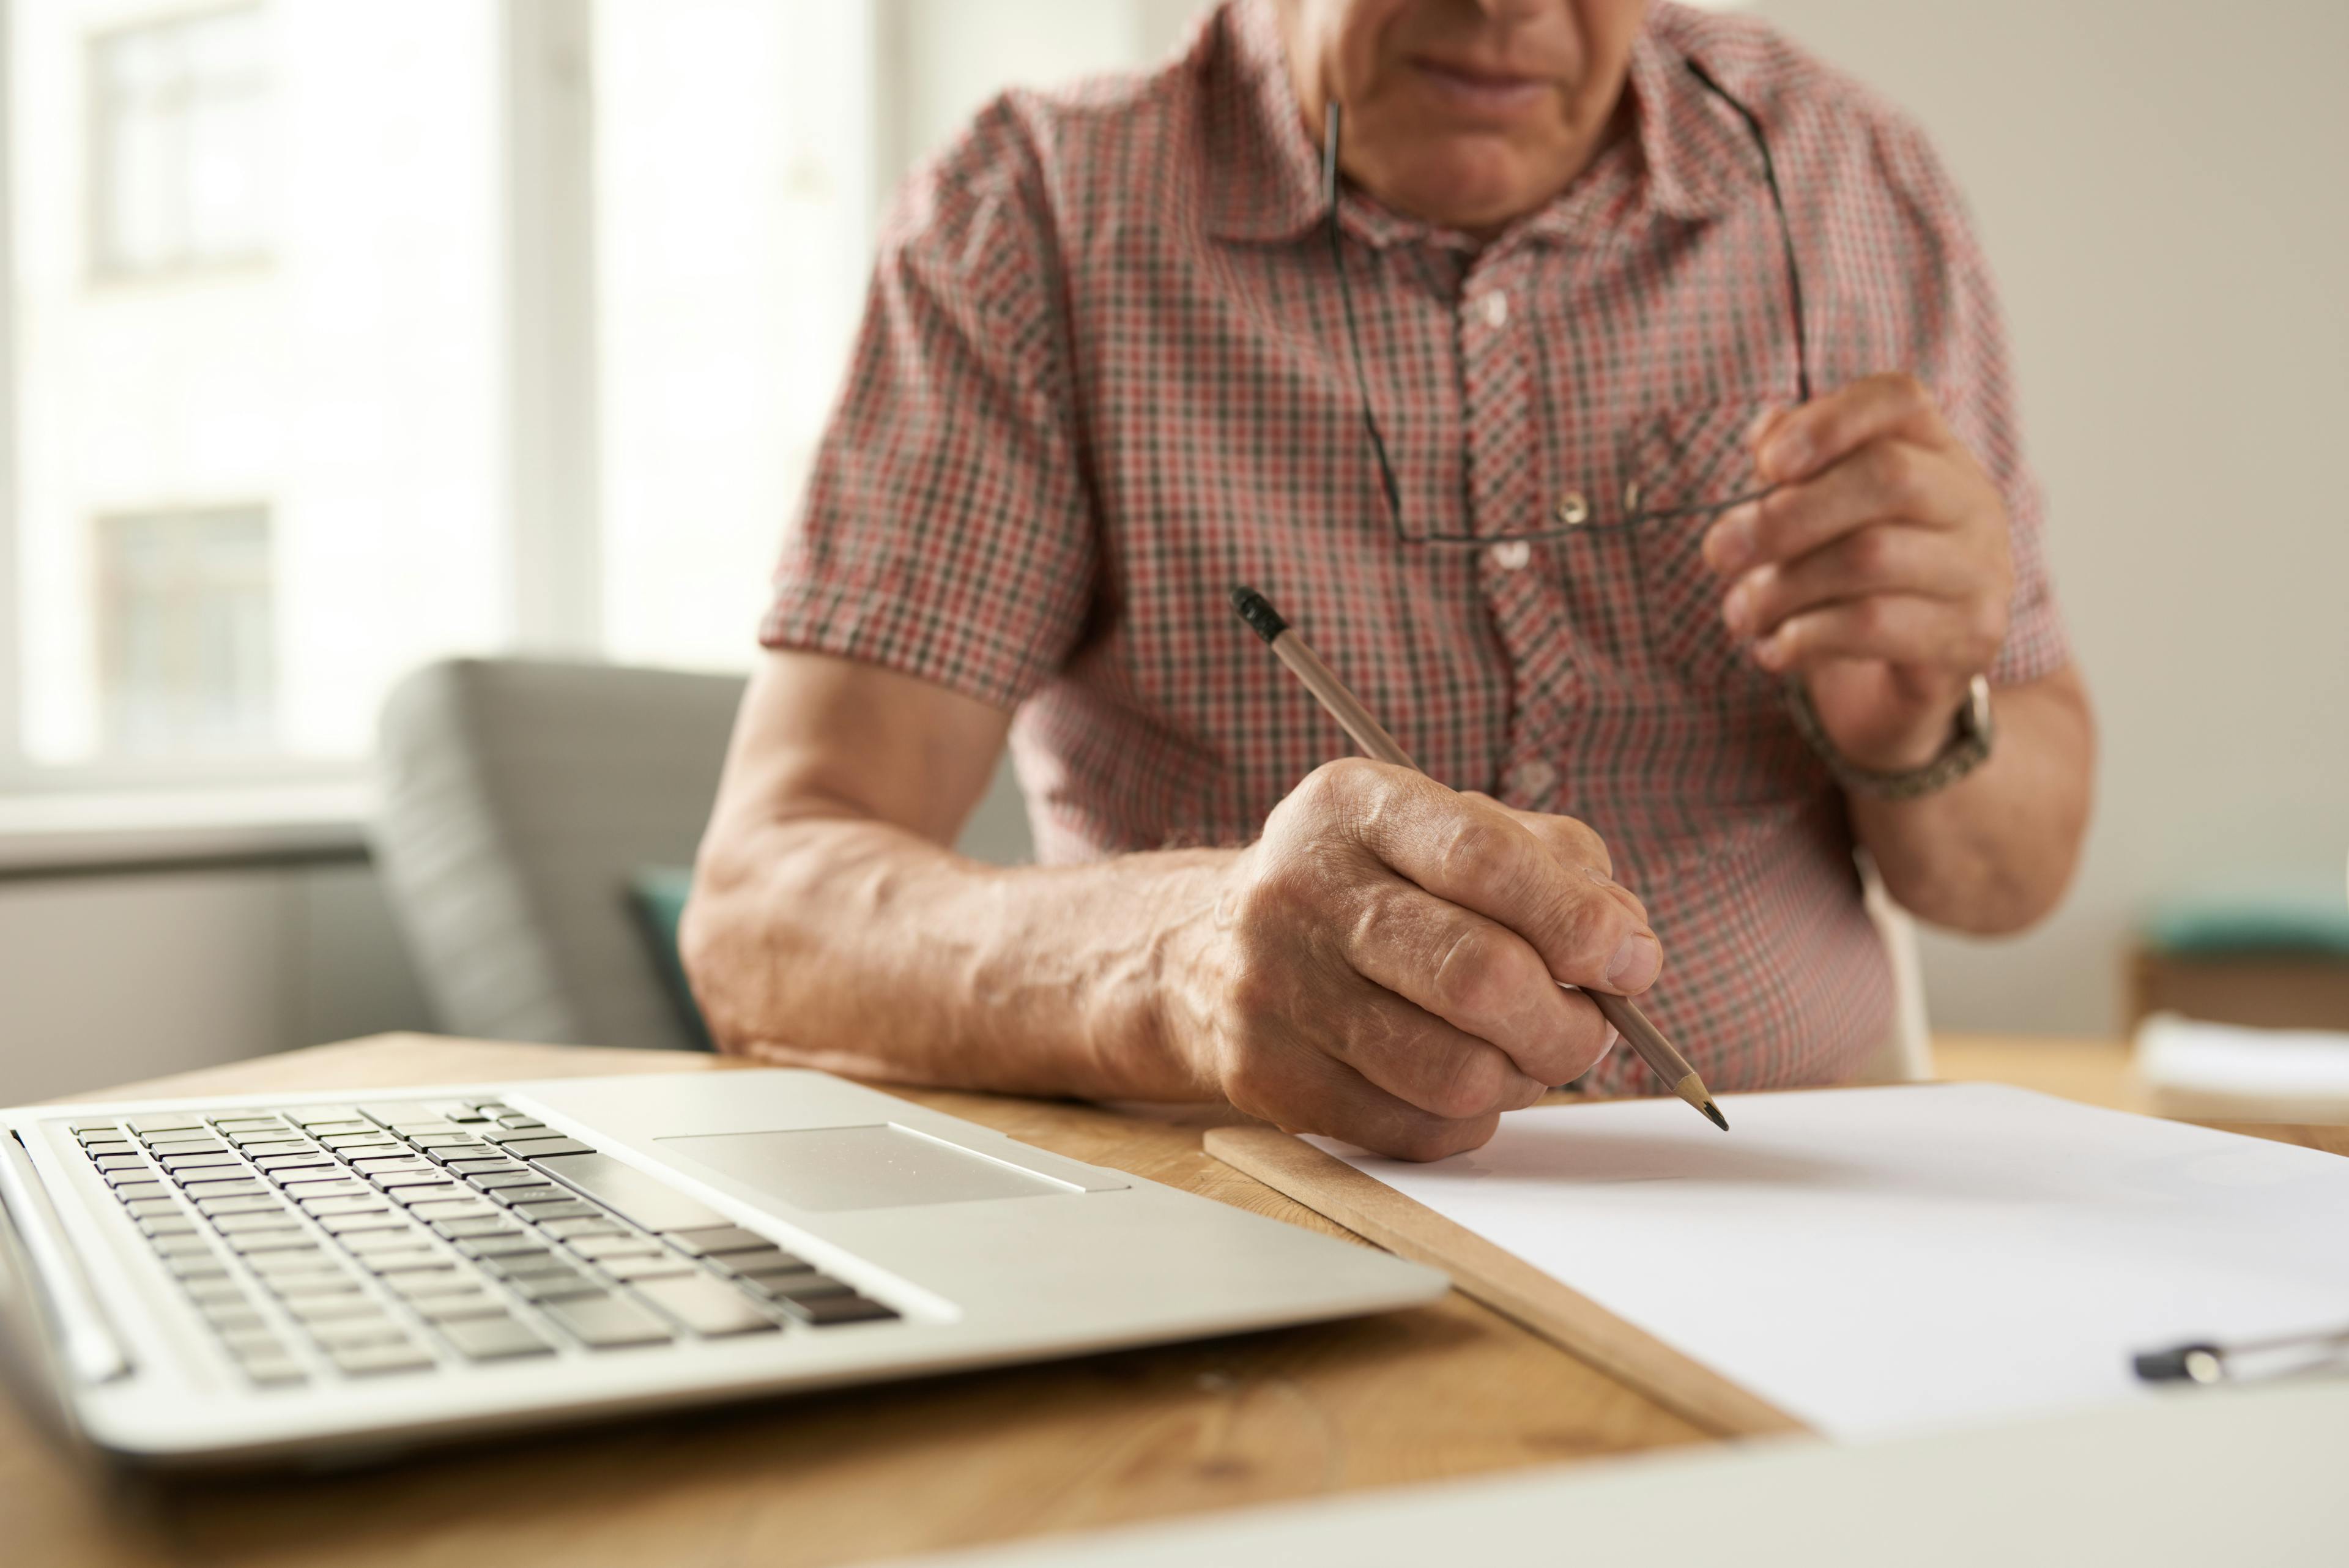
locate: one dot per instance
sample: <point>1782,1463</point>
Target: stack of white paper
<point>2221,1072</point>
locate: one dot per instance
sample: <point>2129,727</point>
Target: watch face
<point>1975,715</point>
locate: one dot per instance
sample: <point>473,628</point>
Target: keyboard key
<point>213,1287</point>
<point>309,1116</point>
<point>258,1203</point>
<point>174,1224</point>
<point>327,1188</point>
<point>493,1338</point>
<point>511,1243</point>
<point>445,1140</point>
<point>100,1147</point>
<point>203,1184</point>
<point>113,1164</point>
<point>801,1285</point>
<point>633,1194</point>
<point>540,1213</point>
<point>251,1342</point>
<point>135,1191</point>
<point>323,1309</point>
<point>274,1371</point>
<point>164,1122</point>
<point>372,1166</point>
<point>312,1285</point>
<point>374,1360</point>
<point>302,1259</point>
<point>452,1209</point>
<point>343,1227</point>
<point>389,1259</point>
<point>456,1306</point>
<point>603,1322</point>
<point>825,1311</point>
<point>654,1268</point>
<point>265,1149</point>
<point>321,1208</point>
<point>285,1168</point>
<point>766,1260</point>
<point>417,1174</point>
<point>162,1147</point>
<point>518,1265</point>
<point>511,1176</point>
<point>471,1165</point>
<point>435,1191</point>
<point>532,1192</point>
<point>194,1267</point>
<point>544,1147</point>
<point>422,1281</point>
<point>91,1129</point>
<point>246,1224</point>
<point>706,1306</point>
<point>549,1288</point>
<point>490,1224</point>
<point>586,1225</point>
<point>188,1245</point>
<point>230,1317</point>
<point>152,1208</point>
<point>619,1246</point>
<point>175,1163</point>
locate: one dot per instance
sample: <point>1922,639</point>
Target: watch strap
<point>1969,743</point>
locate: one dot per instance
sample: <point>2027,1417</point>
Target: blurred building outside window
<point>186,645</point>
<point>180,116</point>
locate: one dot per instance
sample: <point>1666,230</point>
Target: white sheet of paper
<point>1892,1260</point>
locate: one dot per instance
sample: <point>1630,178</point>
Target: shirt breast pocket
<point>1684,464</point>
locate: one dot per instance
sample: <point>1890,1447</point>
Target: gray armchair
<point>519,799</point>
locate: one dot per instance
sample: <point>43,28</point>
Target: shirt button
<point>1495,307</point>
<point>1510,554</point>
<point>1532,780</point>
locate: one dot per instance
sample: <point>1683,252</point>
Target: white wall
<point>2163,187</point>
<point>104,980</point>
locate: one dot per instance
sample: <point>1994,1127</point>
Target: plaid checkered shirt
<point>1104,376</point>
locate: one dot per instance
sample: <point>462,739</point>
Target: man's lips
<point>1481,91</point>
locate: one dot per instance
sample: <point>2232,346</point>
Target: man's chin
<point>1476,193</point>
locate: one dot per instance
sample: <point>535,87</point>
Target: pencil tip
<point>1257,611</point>
<point>1713,1112</point>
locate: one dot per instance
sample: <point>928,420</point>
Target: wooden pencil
<point>1633,1025</point>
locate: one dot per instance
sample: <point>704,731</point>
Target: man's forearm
<point>1994,851</point>
<point>861,948</point>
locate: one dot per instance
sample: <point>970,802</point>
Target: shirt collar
<point>1689,158</point>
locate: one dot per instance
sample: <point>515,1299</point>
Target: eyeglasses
<point>1574,512</point>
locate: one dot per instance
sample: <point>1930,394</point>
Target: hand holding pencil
<point>1479,894</point>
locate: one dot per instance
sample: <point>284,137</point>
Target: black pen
<point>1346,708</point>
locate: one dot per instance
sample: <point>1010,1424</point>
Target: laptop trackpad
<point>886,1167</point>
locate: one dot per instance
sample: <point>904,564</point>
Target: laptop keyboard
<point>399,1238</point>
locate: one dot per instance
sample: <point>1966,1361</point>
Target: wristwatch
<point>1969,741</point>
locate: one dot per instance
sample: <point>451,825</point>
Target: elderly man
<point>1626,418</point>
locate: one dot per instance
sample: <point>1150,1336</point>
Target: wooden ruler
<point>1500,1280</point>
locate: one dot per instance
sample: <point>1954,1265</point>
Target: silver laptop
<point>256,1280</point>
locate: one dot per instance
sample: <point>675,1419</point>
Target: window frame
<point>100,264</point>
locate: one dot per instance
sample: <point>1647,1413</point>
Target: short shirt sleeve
<point>946,530</point>
<point>1966,365</point>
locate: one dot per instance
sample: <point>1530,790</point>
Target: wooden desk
<point>1449,1390</point>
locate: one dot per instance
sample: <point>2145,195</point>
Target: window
<point>557,297</point>
<point>180,114</point>
<point>185,658</point>
<point>352,397</point>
